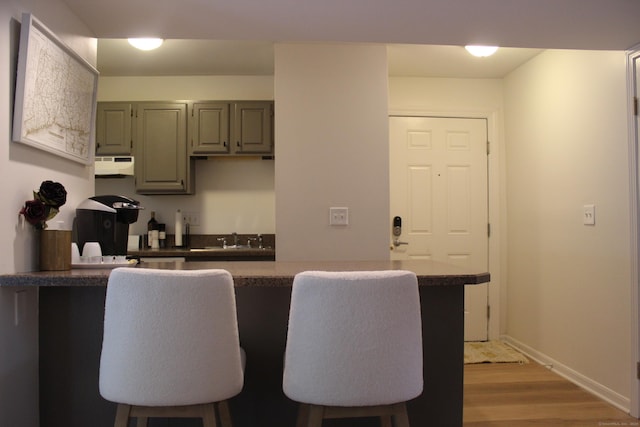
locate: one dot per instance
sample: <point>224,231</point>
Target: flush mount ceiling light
<point>481,51</point>
<point>146,43</point>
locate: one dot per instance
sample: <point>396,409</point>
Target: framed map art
<point>55,104</point>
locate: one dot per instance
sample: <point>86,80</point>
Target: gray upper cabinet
<point>253,127</point>
<point>113,128</point>
<point>232,128</point>
<point>210,128</point>
<point>160,141</point>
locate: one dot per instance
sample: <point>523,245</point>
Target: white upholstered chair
<point>170,346</point>
<point>354,346</point>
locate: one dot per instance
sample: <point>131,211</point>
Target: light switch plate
<point>338,216</point>
<point>589,215</point>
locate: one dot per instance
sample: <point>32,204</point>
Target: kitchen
<point>562,125</point>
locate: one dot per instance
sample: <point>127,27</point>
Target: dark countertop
<point>258,273</point>
<point>207,247</point>
<point>208,252</point>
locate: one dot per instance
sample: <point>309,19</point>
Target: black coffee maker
<point>105,219</point>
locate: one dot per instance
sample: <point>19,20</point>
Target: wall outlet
<point>338,216</point>
<point>191,218</point>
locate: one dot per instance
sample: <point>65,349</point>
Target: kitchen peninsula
<point>71,311</point>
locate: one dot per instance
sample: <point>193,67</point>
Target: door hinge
<point>488,230</point>
<point>638,370</point>
<point>488,312</point>
<point>488,148</point>
<point>635,105</point>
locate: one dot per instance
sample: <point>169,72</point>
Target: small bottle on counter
<point>179,227</point>
<point>162,235</point>
<point>152,225</point>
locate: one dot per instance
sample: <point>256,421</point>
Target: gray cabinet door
<point>210,128</point>
<point>113,128</point>
<point>162,165</point>
<point>253,127</point>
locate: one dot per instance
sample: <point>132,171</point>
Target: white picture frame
<point>56,95</point>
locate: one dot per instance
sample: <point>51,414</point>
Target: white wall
<point>22,169</point>
<point>569,284</point>
<point>332,150</point>
<point>161,88</point>
<point>232,194</point>
<point>468,98</point>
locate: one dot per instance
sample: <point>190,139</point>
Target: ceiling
<point>442,25</point>
<point>215,57</point>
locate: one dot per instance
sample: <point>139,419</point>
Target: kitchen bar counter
<point>71,310</point>
<point>257,273</point>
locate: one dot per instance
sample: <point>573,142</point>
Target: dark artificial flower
<point>45,204</point>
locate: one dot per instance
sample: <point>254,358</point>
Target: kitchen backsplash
<point>232,195</point>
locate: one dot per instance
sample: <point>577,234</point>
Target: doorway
<point>439,191</point>
<point>633,90</point>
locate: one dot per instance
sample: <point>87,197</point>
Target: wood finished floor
<point>530,395</point>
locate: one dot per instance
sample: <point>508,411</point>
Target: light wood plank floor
<point>530,395</point>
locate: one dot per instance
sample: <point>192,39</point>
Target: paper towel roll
<point>179,227</point>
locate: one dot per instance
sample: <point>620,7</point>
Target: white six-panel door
<point>438,182</point>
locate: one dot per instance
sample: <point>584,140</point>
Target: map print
<point>59,97</point>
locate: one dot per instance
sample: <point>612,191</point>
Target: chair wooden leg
<point>142,422</point>
<point>303,415</point>
<point>224,413</point>
<point>209,415</point>
<point>385,421</point>
<point>122,415</point>
<point>400,416</point>
<point>316,414</point>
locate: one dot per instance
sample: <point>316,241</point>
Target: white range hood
<point>113,166</point>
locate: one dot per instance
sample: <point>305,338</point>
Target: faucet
<point>223,240</point>
<point>258,238</point>
<point>235,239</point>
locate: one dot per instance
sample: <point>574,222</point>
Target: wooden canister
<point>55,250</point>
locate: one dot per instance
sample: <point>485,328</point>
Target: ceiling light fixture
<point>146,43</point>
<point>481,51</point>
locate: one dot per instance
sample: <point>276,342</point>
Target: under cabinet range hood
<point>113,166</point>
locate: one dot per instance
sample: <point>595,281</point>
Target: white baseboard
<point>616,399</point>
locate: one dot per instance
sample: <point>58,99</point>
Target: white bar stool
<point>170,346</point>
<point>354,346</point>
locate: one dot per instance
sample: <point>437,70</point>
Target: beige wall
<point>161,88</point>
<point>22,169</point>
<point>569,284</point>
<point>232,194</point>
<point>332,150</point>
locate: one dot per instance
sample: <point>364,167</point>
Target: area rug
<point>491,352</point>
